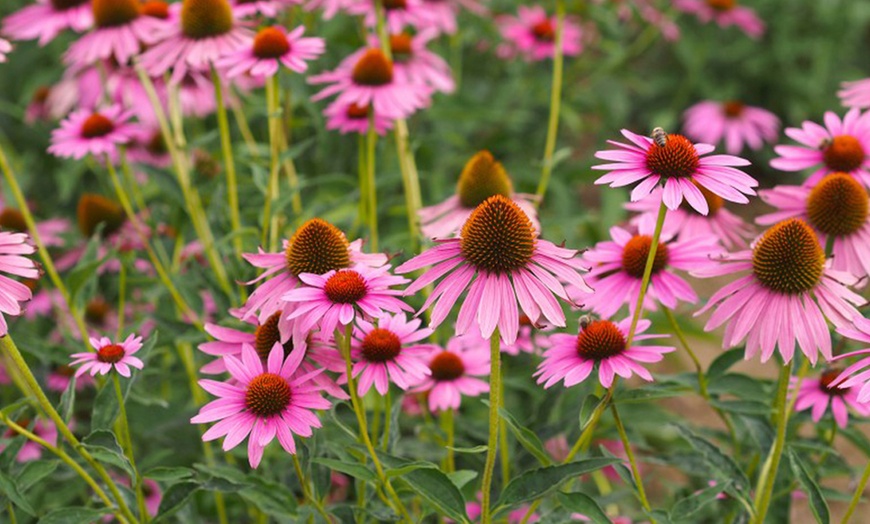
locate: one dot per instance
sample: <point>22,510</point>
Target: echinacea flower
<point>482,177</point>
<point>98,133</point>
<point>733,121</point>
<point>45,19</point>
<point>416,65</point>
<point>725,13</point>
<point>270,8</point>
<point>120,31</point>
<point>855,93</point>
<point>43,429</point>
<point>5,49</point>
<point>532,34</point>
<point>456,371</point>
<point>819,393</point>
<point>262,402</point>
<point>13,247</point>
<point>329,8</point>
<point>50,231</point>
<point>836,208</point>
<point>60,377</point>
<point>271,48</point>
<point>108,355</point>
<point>841,146</point>
<point>397,13</point>
<point>679,165</point>
<point>601,343</point>
<point>529,338</point>
<point>789,293</point>
<point>617,267</point>
<point>517,516</point>
<point>858,373</point>
<point>353,118</point>
<point>501,260</point>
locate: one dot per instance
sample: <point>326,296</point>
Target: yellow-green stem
<point>449,429</point>
<point>503,449</point>
<point>371,186</point>
<point>647,273</point>
<point>127,446</point>
<point>492,442</point>
<point>273,94</point>
<point>130,180</point>
<point>555,102</point>
<point>122,297</point>
<point>306,490</point>
<point>626,444</point>
<point>229,160</point>
<point>388,420</point>
<point>856,498</point>
<point>363,179</point>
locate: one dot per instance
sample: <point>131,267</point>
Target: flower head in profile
<point>60,377</point>
<point>788,296</point>
<point>501,260</point>
<point>725,13</point>
<point>456,371</point>
<point>414,64</point>
<point>270,8</point>
<point>263,400</point>
<point>43,429</point>
<point>273,47</point>
<point>679,165</point>
<point>482,177</point>
<point>121,29</point>
<point>855,93</point>
<point>353,118</point>
<point>98,133</point>
<point>532,34</point>
<point>43,20</point>
<point>734,122</point>
<point>108,355</point>
<point>50,231</point>
<point>857,374</point>
<point>818,395</point>
<point>601,343</point>
<point>398,14</point>
<point>840,146</point>
<point>13,248</point>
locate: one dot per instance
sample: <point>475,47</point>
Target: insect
<point>660,137</point>
<point>584,321</point>
<point>825,144</point>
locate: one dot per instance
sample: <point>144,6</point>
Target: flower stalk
<point>229,160</point>
<point>492,443</point>
<point>555,102</point>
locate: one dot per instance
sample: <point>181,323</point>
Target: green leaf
<point>589,404</point>
<point>723,466</point>
<point>654,391</point>
<point>409,467</point>
<point>434,486</point>
<point>539,482</point>
<point>475,449</point>
<point>858,438</point>
<point>175,497</point>
<point>526,437</point>
<point>103,445</point>
<point>816,499</point>
<point>742,407</point>
<point>10,488</point>
<point>355,470</point>
<point>585,505</point>
<point>73,516</point>
<point>165,474</point>
<point>34,471</point>
<point>68,400</point>
<point>724,362</point>
<point>690,505</point>
<point>462,477</point>
<point>270,497</point>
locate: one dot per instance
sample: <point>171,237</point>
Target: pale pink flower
<point>416,65</point>
<point>120,31</point>
<point>108,355</point>
<point>43,20</point>
<point>13,247</point>
<point>50,231</point>
<point>270,8</point>
<point>855,93</point>
<point>97,133</point>
<point>329,7</point>
<point>44,429</point>
<point>273,47</point>
<point>473,510</point>
<point>532,34</point>
<point>725,13</point>
<point>456,371</point>
<point>398,13</point>
<point>60,377</point>
<point>858,373</point>
<point>734,122</point>
<point>819,393</point>
<point>5,49</point>
<point>352,118</point>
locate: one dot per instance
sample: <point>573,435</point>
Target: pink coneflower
<point>329,7</point>
<point>398,13</point>
<point>734,122</point>
<point>819,393</point>
<point>501,261</point>
<point>528,338</point>
<point>841,146</point>
<point>264,402</point>
<point>273,47</point>
<point>532,34</point>
<point>482,177</point>
<point>60,377</point>
<point>835,207</point>
<point>416,65</point>
<point>5,49</point>
<point>337,297</point>
<point>4,376</point>
<point>725,13</point>
<point>719,222</point>
<point>650,12</point>
<point>352,118</point>
<point>617,268</point>
<point>108,355</point>
<point>855,93</point>
<point>679,165</point>
<point>857,373</point>
<point>455,371</point>
<point>786,298</point>
<point>120,32</point>
<point>12,293</point>
<point>270,8</point>
<point>50,231</point>
<point>98,133</point>
<point>43,429</point>
<point>45,19</point>
<point>368,78</point>
<point>473,510</point>
<point>572,358</point>
<point>206,31</point>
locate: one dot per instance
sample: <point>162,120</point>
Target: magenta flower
<point>855,93</point>
<point>571,358</point>
<point>532,35</point>
<point>473,510</point>
<point>270,8</point>
<point>617,268</point>
<point>120,31</point>
<point>51,231</point>
<point>818,393</point>
<point>858,373</point>
<point>787,297</point>
<point>679,165</point>
<point>455,372</point>
<point>836,207</point>
<point>43,429</point>
<point>414,64</point>
<point>60,377</point>
<point>399,13</point>
<point>273,47</point>
<point>841,146</point>
<point>329,7</point>
<point>108,355</point>
<point>45,19</point>
<point>262,402</point>
<point>528,338</point>
<point>13,247</point>
<point>725,13</point>
<point>734,122</point>
<point>353,118</point>
<point>501,261</point>
<point>97,133</point>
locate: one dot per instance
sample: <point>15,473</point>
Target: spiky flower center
<point>498,237</point>
<point>446,366</point>
<point>63,5</point>
<point>156,9</point>
<point>722,5</point>
<point>635,253</point>
<point>206,18</point>
<point>271,42</point>
<point>828,376</point>
<point>600,339</point>
<point>267,334</point>
<point>156,145</point>
<point>114,13</point>
<point>788,258</point>
<point>96,126</point>
<point>843,153</point>
<point>372,69</point>
<point>94,210</point>
<point>381,345</point>
<point>391,5</point>
<point>481,178</point>
<point>111,354</point>
<point>400,45</point>
<point>97,311</point>
<point>714,202</point>
<point>345,287</point>
<point>317,247</point>
<point>13,220</point>
<point>267,395</point>
<point>544,31</point>
<point>838,205</point>
<point>677,158</point>
<point>733,108</point>
<point>357,112</point>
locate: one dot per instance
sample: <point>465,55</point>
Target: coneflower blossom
<point>532,35</point>
<point>617,267</point>
<point>5,49</point>
<point>456,371</point>
<point>98,133</point>
<point>786,298</point>
<point>45,19</point>
<point>501,261</point>
<point>273,47</point>
<point>60,377</point>
<point>529,338</point>
<point>679,165</point>
<point>262,402</point>
<point>329,8</point>
<point>855,93</point>
<point>13,247</point>
<point>725,13</point>
<point>858,373</point>
<point>120,31</point>
<point>397,13</point>
<point>836,207</point>
<point>572,358</point>
<point>43,429</point>
<point>108,355</point>
<point>734,122</point>
<point>353,118</point>
<point>270,8</point>
<point>841,146</point>
<point>50,231</point>
<point>819,393</point>
<point>416,65</point>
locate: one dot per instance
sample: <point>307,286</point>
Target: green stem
<point>504,450</point>
<point>306,490</point>
<point>623,436</point>
<point>647,273</point>
<point>122,296</point>
<point>273,95</point>
<point>130,180</point>
<point>127,446</point>
<point>388,410</point>
<point>555,102</point>
<point>447,425</point>
<point>492,443</point>
<point>856,498</point>
<point>362,164</point>
<point>229,161</point>
<point>371,186</point>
